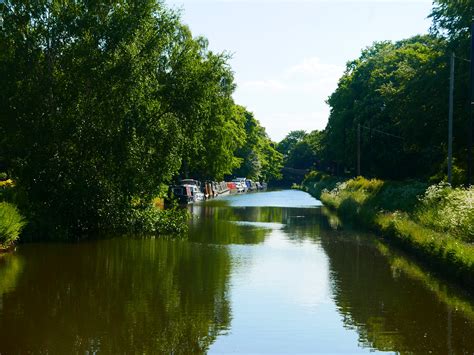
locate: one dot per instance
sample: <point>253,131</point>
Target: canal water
<point>269,272</point>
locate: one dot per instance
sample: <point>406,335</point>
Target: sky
<point>287,55</point>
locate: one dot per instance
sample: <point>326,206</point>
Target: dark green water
<point>259,273</point>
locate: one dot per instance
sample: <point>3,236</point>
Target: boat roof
<point>189,182</point>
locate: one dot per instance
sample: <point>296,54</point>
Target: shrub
<point>448,210</point>
<point>316,182</point>
<point>11,224</point>
<point>151,220</point>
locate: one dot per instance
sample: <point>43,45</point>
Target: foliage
<point>316,182</point>
<point>154,221</point>
<point>260,158</point>
<point>11,224</point>
<point>104,103</point>
<point>301,150</point>
<point>452,21</point>
<point>452,18</point>
<point>6,183</point>
<point>289,142</point>
<point>397,92</point>
<point>448,210</point>
<point>374,196</point>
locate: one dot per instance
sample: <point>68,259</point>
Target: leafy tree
<point>259,155</point>
<point>104,103</point>
<point>306,153</point>
<point>289,142</point>
<point>392,90</point>
<point>452,21</point>
<point>452,18</point>
<point>197,87</point>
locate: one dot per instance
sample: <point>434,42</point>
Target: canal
<point>270,272</point>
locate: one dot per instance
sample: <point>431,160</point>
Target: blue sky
<point>288,55</point>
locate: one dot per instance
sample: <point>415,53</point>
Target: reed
<point>11,225</point>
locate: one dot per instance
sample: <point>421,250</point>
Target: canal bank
<point>397,211</point>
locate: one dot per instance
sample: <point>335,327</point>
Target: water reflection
<point>392,303</point>
<point>250,278</point>
<point>216,225</point>
<point>223,224</point>
<point>117,296</point>
<point>11,266</point>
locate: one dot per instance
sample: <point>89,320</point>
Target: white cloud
<point>308,75</point>
<point>313,66</point>
<point>264,85</point>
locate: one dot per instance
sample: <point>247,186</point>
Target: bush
<point>151,220</point>
<point>316,182</point>
<point>448,210</point>
<point>378,195</point>
<point>11,224</point>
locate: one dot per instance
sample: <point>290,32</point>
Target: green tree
<point>452,18</point>
<point>452,21</point>
<point>392,89</point>
<point>305,153</point>
<point>289,142</point>
<point>104,103</point>
<point>259,155</point>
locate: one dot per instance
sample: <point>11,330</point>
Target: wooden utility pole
<point>471,108</point>
<point>358,149</point>
<point>450,121</point>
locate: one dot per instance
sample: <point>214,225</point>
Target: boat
<point>243,185</point>
<point>188,191</point>
<point>182,193</point>
<point>196,193</point>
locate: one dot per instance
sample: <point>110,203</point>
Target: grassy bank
<point>434,223</point>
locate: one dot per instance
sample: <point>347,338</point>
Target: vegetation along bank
<point>100,114</point>
<point>435,223</point>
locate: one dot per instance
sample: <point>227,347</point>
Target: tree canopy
<point>259,156</point>
<point>397,93</point>
<point>104,103</point>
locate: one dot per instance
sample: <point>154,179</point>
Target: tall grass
<point>448,210</point>
<point>316,182</point>
<point>11,224</point>
<point>360,200</point>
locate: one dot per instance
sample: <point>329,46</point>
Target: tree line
<point>103,104</point>
<point>397,92</point>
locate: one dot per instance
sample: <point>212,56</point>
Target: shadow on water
<point>115,296</point>
<point>391,301</point>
